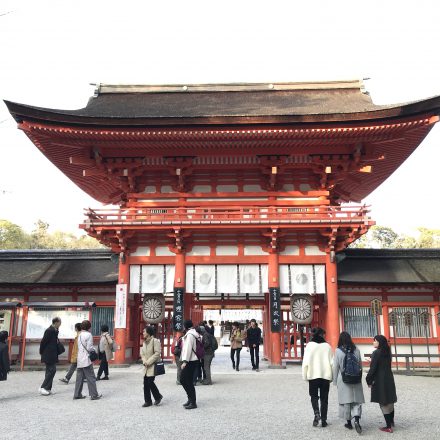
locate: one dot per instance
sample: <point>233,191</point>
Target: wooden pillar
<point>275,337</point>
<point>437,324</point>
<point>121,333</point>
<point>332,320</point>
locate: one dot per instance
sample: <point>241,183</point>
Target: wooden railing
<point>226,215</point>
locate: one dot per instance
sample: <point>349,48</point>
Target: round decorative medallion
<point>302,309</point>
<point>153,308</point>
<point>205,278</point>
<point>249,279</point>
<point>152,279</point>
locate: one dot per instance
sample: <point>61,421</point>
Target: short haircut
<point>236,324</point>
<point>86,325</point>
<point>78,326</point>
<point>3,336</point>
<point>56,319</point>
<point>104,328</point>
<point>254,320</point>
<point>188,324</point>
<point>150,330</point>
<point>211,322</point>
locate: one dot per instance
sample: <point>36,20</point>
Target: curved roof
<point>134,105</point>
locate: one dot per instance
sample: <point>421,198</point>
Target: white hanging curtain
<point>189,278</point>
<point>205,278</point>
<point>320,278</point>
<point>227,278</point>
<point>264,278</point>
<point>153,278</point>
<point>135,278</point>
<point>249,278</point>
<point>284,279</point>
<point>302,278</point>
<point>169,277</point>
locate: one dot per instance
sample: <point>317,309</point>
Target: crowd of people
<point>344,368</point>
<point>194,351</point>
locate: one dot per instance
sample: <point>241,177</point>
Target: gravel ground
<point>271,404</point>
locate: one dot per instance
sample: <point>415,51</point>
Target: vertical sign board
<point>121,306</point>
<point>178,309</point>
<point>275,309</point>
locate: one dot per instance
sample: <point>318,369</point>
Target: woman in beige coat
<point>236,339</point>
<point>150,354</point>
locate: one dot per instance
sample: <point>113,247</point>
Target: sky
<point>50,52</point>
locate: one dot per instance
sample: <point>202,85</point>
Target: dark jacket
<point>381,379</point>
<point>4,361</point>
<point>210,329</point>
<point>48,346</point>
<point>253,336</point>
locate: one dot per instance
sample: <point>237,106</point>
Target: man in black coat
<point>254,338</point>
<point>49,355</point>
<point>4,356</point>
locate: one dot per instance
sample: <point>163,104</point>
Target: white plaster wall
<point>254,250</point>
<point>313,250</point>
<point>226,250</point>
<point>290,250</point>
<point>141,251</point>
<point>163,251</point>
<point>199,251</point>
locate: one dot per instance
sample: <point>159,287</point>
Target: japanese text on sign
<point>275,306</point>
<point>178,308</point>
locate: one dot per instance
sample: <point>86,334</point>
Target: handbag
<point>60,348</point>
<point>159,367</point>
<point>93,356</point>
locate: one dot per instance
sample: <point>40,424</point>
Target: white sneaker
<point>44,392</point>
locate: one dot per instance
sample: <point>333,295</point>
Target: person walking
<point>254,338</point>
<point>209,355</point>
<point>5,366</point>
<point>150,354</point>
<point>189,363</point>
<point>50,348</point>
<point>317,370</point>
<point>105,352</point>
<point>347,376</point>
<point>85,365</point>
<point>381,381</point>
<point>236,339</point>
<point>73,356</point>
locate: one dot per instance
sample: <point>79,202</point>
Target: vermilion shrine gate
<point>228,195</point>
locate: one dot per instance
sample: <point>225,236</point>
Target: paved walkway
<point>271,404</point>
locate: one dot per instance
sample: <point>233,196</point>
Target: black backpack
<point>352,372</point>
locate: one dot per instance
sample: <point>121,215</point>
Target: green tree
<point>12,236</point>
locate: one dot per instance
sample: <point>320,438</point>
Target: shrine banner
<point>275,309</point>
<point>121,306</point>
<point>179,293</point>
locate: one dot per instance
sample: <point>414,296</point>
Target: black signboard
<point>179,293</point>
<point>275,309</point>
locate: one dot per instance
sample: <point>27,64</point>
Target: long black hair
<point>318,335</point>
<point>345,341</point>
<point>384,347</point>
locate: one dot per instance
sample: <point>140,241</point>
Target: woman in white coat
<point>350,395</point>
<point>84,364</point>
<point>317,369</point>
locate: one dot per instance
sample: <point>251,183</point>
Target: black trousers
<point>103,366</point>
<point>318,390</point>
<point>150,388</point>
<point>51,369</point>
<point>235,352</point>
<point>255,355</point>
<point>186,379</point>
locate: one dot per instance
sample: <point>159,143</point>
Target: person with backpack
<point>236,339</point>
<point>317,370</point>
<point>192,351</point>
<point>73,356</point>
<point>254,338</point>
<point>105,352</point>
<point>381,381</point>
<point>210,345</point>
<point>347,376</point>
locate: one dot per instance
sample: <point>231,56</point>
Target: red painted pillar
<point>121,333</point>
<point>275,337</point>
<point>332,320</point>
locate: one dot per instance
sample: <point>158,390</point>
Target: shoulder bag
<point>93,356</point>
<point>159,366</point>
